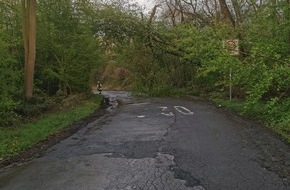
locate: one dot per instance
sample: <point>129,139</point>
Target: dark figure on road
<point>99,87</point>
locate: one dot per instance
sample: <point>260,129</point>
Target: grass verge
<point>257,112</point>
<point>15,140</point>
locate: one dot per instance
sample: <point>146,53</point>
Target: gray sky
<point>147,3</point>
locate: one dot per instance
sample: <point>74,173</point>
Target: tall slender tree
<point>29,39</point>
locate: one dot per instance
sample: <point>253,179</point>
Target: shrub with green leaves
<point>10,84</point>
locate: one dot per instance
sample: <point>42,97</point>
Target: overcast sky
<point>147,3</point>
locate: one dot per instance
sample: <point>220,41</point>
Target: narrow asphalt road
<point>160,144</point>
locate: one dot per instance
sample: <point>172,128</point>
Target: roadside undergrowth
<point>258,112</point>
<point>15,140</point>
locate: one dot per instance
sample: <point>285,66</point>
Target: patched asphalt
<point>162,144</point>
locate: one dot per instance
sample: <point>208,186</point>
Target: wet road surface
<point>159,144</point>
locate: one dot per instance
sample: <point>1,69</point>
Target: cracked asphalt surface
<point>159,144</point>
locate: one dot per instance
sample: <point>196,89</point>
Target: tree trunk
<point>237,9</point>
<point>29,40</point>
<point>181,11</point>
<point>171,11</point>
<point>226,14</point>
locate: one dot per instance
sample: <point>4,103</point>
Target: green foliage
<point>207,66</point>
<point>67,53</point>
<point>8,116</point>
<point>115,25</point>
<point>18,139</point>
<point>67,49</point>
<point>39,104</point>
<point>10,76</point>
<point>188,57</point>
<point>76,38</point>
<point>275,114</point>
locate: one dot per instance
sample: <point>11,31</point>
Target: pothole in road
<point>148,173</point>
<point>148,150</point>
<point>184,175</point>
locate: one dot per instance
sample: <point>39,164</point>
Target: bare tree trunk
<point>181,11</point>
<point>29,39</point>
<point>216,16</point>
<point>237,9</point>
<point>171,11</point>
<point>149,25</point>
<point>226,14</point>
<point>153,14</point>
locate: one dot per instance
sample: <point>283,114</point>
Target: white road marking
<point>140,116</point>
<point>163,108</point>
<point>168,114</point>
<point>181,109</point>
